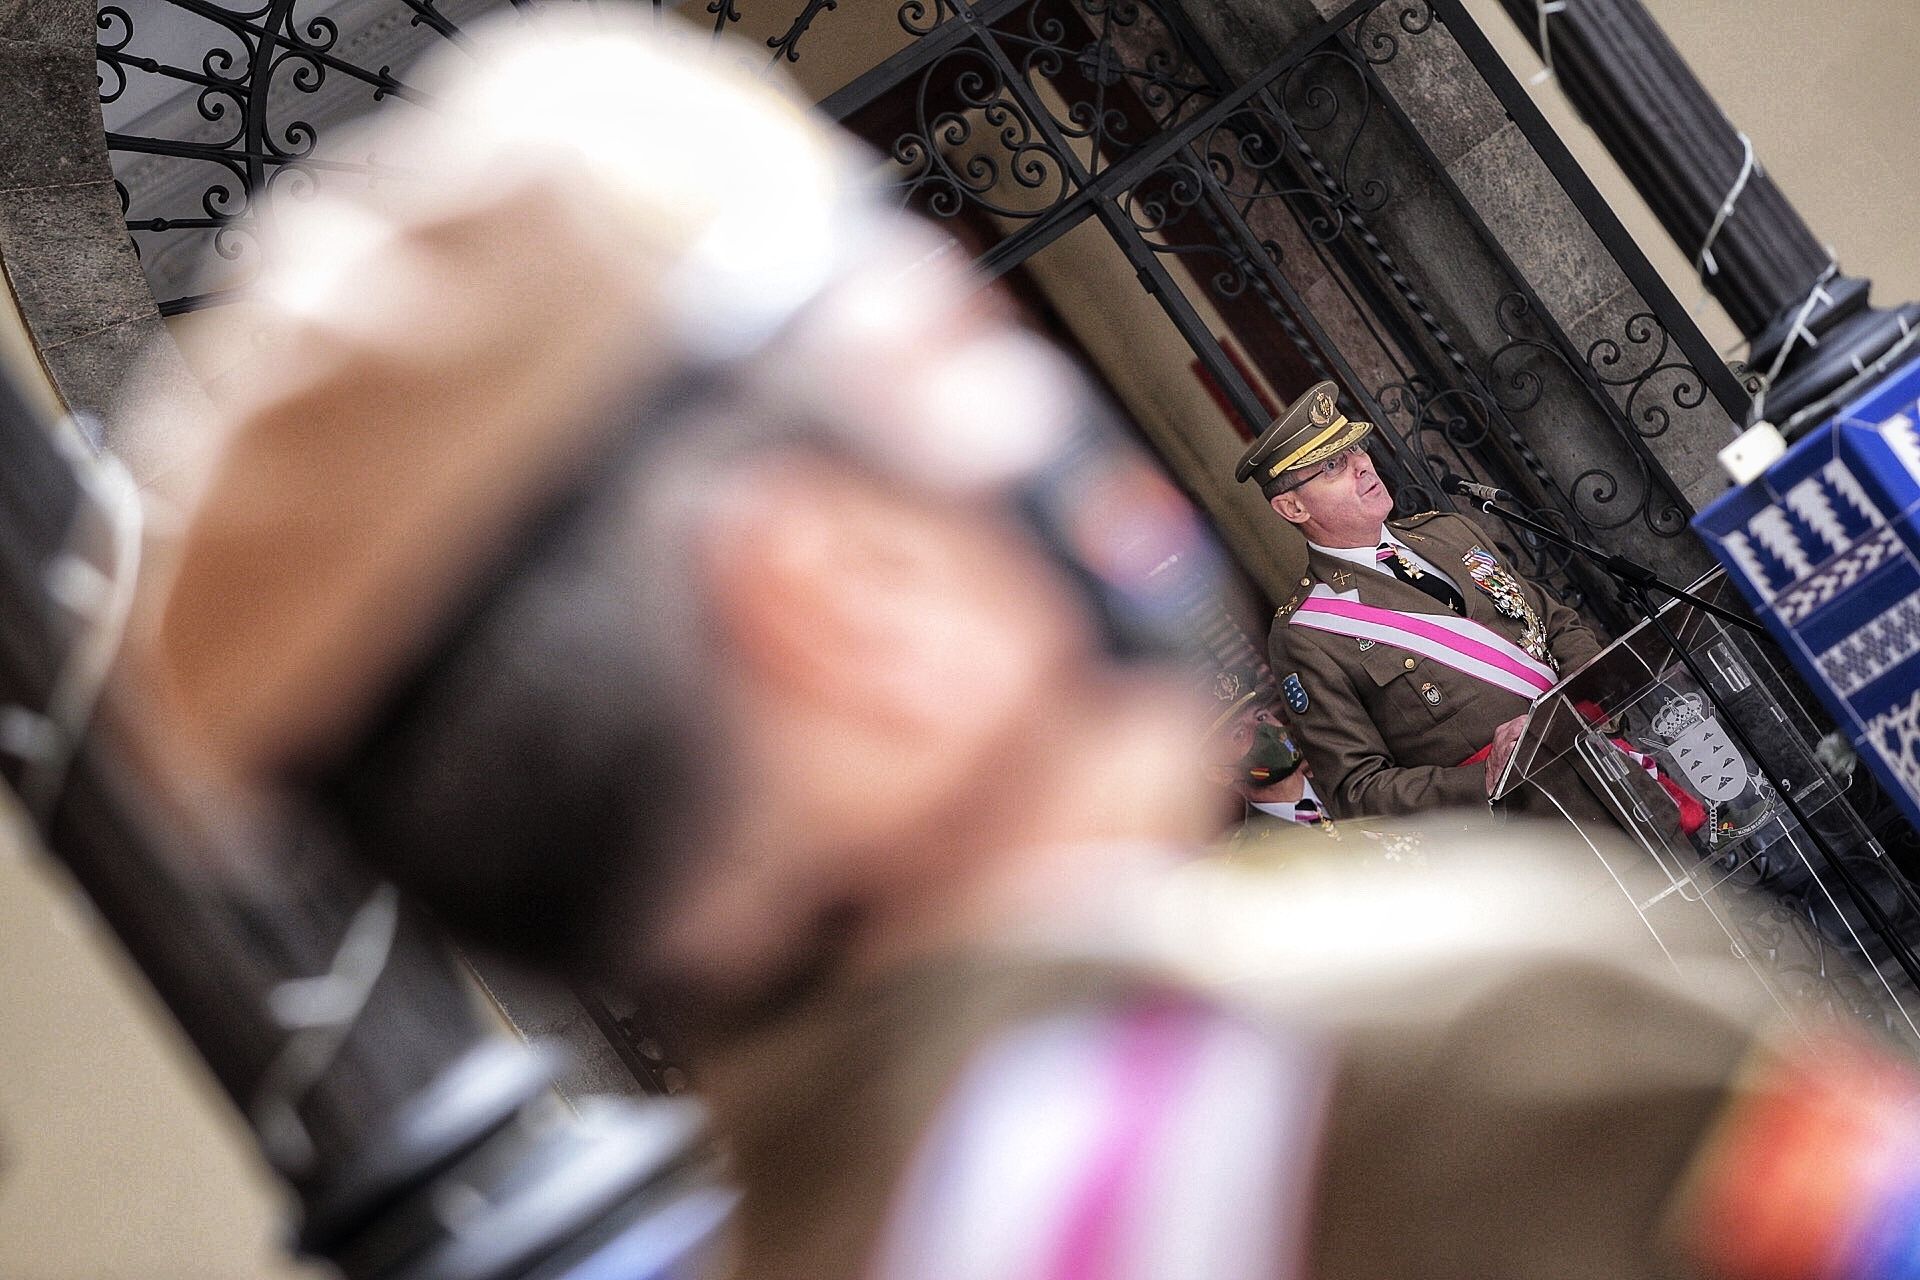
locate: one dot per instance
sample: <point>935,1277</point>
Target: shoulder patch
<point>1296,693</point>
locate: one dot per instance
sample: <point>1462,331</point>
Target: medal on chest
<point>1511,601</point>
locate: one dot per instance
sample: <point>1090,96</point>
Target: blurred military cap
<point>553,231</point>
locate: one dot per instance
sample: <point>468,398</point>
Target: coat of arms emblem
<point>1700,747</point>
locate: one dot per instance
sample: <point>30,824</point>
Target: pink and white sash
<point>1468,647</point>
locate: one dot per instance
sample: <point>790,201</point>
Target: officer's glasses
<point>1327,468</point>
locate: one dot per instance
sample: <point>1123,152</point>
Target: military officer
<point>1418,649</point>
<point>1250,750</point>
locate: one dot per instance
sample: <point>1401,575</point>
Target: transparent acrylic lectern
<point>1710,833</point>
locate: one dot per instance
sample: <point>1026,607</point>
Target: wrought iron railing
<point>1015,122</point>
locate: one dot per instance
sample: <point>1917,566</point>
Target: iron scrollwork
<point>1450,429</point>
<point>1120,73</point>
<point>1249,159</point>
<point>973,146</point>
<point>919,17</point>
<point>199,142</point>
<point>1626,383</point>
<point>1322,122</point>
<point>1380,45</point>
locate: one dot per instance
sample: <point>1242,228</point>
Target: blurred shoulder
<point>1103,1126</point>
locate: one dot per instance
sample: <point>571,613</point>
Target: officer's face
<point>1233,761</point>
<point>1345,499</point>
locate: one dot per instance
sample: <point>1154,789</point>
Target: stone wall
<point>64,249</point>
<point>1466,215</point>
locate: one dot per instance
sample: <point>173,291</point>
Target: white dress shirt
<point>1369,558</point>
<point>1291,812</point>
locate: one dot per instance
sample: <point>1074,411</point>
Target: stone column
<point>64,248</point>
<point>1465,214</point>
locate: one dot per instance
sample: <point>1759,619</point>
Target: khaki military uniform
<point>1387,730</point>
<point>1520,1104</point>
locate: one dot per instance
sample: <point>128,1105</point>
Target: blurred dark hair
<point>544,776</point>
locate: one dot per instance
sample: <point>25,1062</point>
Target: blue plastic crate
<point>1826,548</point>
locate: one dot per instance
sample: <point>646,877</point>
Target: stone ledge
<point>69,260</point>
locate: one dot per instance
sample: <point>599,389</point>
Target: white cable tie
<point>320,1012</point>
<point>1547,8</point>
<point>1841,395</point>
<point>29,736</point>
<point>1815,295</point>
<point>1704,263</point>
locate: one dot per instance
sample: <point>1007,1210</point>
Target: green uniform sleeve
<point>1352,768</point>
<point>1568,635</point>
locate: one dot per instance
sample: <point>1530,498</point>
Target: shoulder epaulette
<point>1292,602</point>
<point>1415,520</point>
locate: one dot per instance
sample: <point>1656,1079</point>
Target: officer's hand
<point>1504,739</point>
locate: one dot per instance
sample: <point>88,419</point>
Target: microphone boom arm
<point>1634,578</point>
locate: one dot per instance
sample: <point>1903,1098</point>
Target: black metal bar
<point>1321,344</point>
<point>439,22</point>
<point>1113,180</point>
<point>1154,277</point>
<point>1458,370</point>
<point>1593,207</point>
<point>1009,253</point>
<point>120,60</point>
<point>271,32</point>
<point>214,153</point>
<point>200,301</point>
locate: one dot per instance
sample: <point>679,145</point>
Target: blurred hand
<point>1504,739</point>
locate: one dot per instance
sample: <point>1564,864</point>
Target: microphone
<point>1461,487</point>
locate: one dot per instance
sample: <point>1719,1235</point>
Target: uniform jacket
<point>1386,729</point>
<point>1523,1104</point>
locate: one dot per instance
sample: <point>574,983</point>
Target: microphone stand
<point>1634,579</point>
<point>1636,584</point>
